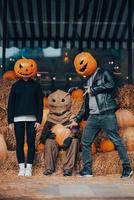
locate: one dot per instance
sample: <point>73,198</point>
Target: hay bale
<point>125,98</point>
<point>9,137</point>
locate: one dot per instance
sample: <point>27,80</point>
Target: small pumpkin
<point>82,124</point>
<point>125,118</point>
<point>45,103</point>
<point>85,64</point>
<point>61,133</point>
<point>107,146</point>
<point>25,68</point>
<point>25,149</point>
<point>3,149</point>
<point>10,74</point>
<point>44,118</point>
<point>41,147</point>
<point>77,94</point>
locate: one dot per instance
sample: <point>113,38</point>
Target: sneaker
<point>28,172</point>
<point>21,169</point>
<point>47,172</point>
<point>21,172</point>
<point>86,172</point>
<point>67,173</point>
<point>127,172</point>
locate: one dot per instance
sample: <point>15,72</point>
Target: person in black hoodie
<point>25,107</point>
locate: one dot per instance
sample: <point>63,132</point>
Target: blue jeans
<point>108,123</point>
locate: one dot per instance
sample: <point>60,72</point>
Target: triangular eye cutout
<point>81,62</point>
<point>20,66</point>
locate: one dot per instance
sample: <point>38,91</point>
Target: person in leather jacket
<point>101,106</point>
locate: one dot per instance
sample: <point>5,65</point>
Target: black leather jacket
<point>103,88</point>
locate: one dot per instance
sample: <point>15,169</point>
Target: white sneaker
<point>21,169</point>
<point>28,170</point>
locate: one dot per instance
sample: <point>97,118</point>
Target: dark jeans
<point>108,123</point>
<point>20,135</point>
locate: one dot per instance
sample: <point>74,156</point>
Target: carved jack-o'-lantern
<point>25,68</point>
<point>85,64</point>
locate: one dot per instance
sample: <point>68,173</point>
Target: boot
<point>28,171</point>
<point>21,169</point>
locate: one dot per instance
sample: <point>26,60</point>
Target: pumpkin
<point>82,124</point>
<point>85,64</point>
<point>25,149</point>
<point>45,104</point>
<point>44,118</point>
<point>9,75</point>
<point>127,135</point>
<point>125,118</point>
<point>3,149</point>
<point>93,148</point>
<point>61,133</point>
<point>77,94</point>
<point>25,68</point>
<point>107,145</point>
<point>40,147</point>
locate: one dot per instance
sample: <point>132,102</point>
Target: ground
<point>56,187</point>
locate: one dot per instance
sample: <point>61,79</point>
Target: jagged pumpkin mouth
<point>83,68</point>
<point>24,74</point>
<point>58,113</point>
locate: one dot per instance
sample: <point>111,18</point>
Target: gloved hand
<point>72,89</point>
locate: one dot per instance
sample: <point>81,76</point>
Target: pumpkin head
<point>85,64</point>
<point>25,68</point>
<point>59,104</point>
<point>61,133</point>
<point>9,75</point>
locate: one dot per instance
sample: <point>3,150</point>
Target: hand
<point>73,123</point>
<point>36,126</point>
<point>11,126</point>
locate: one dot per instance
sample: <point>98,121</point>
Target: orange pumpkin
<point>9,75</point>
<point>93,149</point>
<point>25,149</point>
<point>82,124</point>
<point>3,149</point>
<point>44,118</point>
<point>78,93</point>
<point>127,135</point>
<point>40,147</point>
<point>61,133</point>
<point>125,118</point>
<point>107,145</point>
<point>25,68</point>
<point>85,64</point>
<point>45,103</point>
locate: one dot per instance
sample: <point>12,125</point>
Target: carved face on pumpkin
<point>85,64</point>
<point>59,104</point>
<point>25,68</point>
